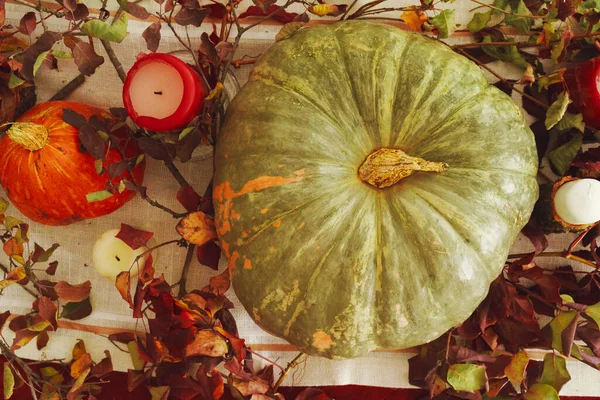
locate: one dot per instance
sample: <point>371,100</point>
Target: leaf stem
<point>176,173</point>
<point>69,88</point>
<point>186,270</point>
<point>114,60</point>
<point>560,254</point>
<point>293,364</point>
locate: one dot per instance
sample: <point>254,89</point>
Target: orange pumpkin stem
<point>385,167</point>
<point>30,135</point>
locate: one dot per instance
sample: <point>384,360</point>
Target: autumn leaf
<point>80,365</point>
<point>479,21</point>
<point>192,14</point>
<point>288,30</point>
<point>557,110</point>
<point>3,318</point>
<point>332,10</point>
<point>207,343</point>
<point>123,285</point>
<point>197,228</point>
<point>159,392</point>
<point>515,371</point>
<point>13,276</point>
<point>264,4</point>
<point>85,57</point>
<point>555,371</point>
<point>558,325</point>
<point>103,367</point>
<point>27,23</point>
<point>13,248</point>
<point>9,381</point>
<point>152,36</point>
<point>562,156</point>
<point>188,198</point>
<point>73,293</point>
<point>209,254</point>
<point>134,353</point>
<point>444,22</point>
<point>77,310</point>
<point>519,18</point>
<point>48,311</point>
<point>466,377</point>
<point>51,270</point>
<point>414,18</point>
<point>219,284</point>
<point>133,237</point>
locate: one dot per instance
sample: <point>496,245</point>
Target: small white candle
<point>156,90</point>
<point>112,256</point>
<point>578,202</point>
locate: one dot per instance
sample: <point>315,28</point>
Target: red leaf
<point>3,318</point>
<point>219,284</point>
<point>103,367</point>
<point>209,254</point>
<point>73,293</point>
<point>152,36</point>
<point>140,294</point>
<point>461,354</point>
<point>137,11</point>
<point>136,378</point>
<point>27,23</point>
<point>148,273</point>
<point>81,365</point>
<point>123,285</point>
<point>188,198</point>
<point>281,16</point>
<point>18,323</point>
<point>42,340</point>
<point>313,394</point>
<point>48,311</point>
<point>135,238</point>
<point>191,14</point>
<point>123,337</point>
<point>51,270</point>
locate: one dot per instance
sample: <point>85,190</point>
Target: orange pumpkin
<point>45,172</point>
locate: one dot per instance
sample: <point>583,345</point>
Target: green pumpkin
<point>339,248</point>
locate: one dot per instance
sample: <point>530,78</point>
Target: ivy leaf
<point>479,21</point>
<point>115,32</point>
<point>14,81</point>
<point>522,23</point>
<point>73,293</point>
<point>444,22</point>
<point>507,53</point>
<point>562,156</point>
<point>197,228</point>
<point>593,312</point>
<point>466,377</point>
<point>9,381</point>
<point>541,391</point>
<point>555,371</point>
<point>77,310</point>
<point>515,370</point>
<point>152,36</point>
<point>159,392</point>
<point>288,30</point>
<point>133,237</point>
<point>571,121</point>
<point>557,110</point>
<point>332,10</point>
<point>558,326</point>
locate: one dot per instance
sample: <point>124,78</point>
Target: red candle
<point>583,82</point>
<point>162,93</point>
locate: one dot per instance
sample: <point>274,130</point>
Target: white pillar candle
<point>156,90</point>
<point>577,202</point>
<point>112,256</point>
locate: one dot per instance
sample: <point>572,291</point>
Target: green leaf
<point>467,377</point>
<point>9,382</point>
<point>501,4</point>
<point>186,132</point>
<point>98,196</point>
<point>63,55</point>
<point>566,298</point>
<point>515,370</point>
<point>557,50</point>
<point>39,61</point>
<point>105,31</point>
<point>507,53</point>
<point>288,30</point>
<point>48,373</point>
<point>541,391</point>
<point>594,312</point>
<point>479,21</point>
<point>77,310</point>
<point>522,23</point>
<point>98,166</point>
<point>555,371</point>
<point>558,325</point>
<point>571,121</point>
<point>444,21</point>
<point>138,363</point>
<point>557,110</point>
<point>14,81</point>
<point>589,6</point>
<point>562,156</point>
<point>3,205</point>
<point>45,256</point>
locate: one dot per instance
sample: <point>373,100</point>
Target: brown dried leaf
<point>152,36</point>
<point>51,270</point>
<point>27,23</point>
<point>207,343</point>
<point>3,318</point>
<point>135,238</point>
<point>73,293</point>
<point>197,228</point>
<point>79,349</point>
<point>191,14</point>
<point>85,57</point>
<point>48,311</point>
<point>42,340</point>
<point>123,285</point>
<point>219,284</point>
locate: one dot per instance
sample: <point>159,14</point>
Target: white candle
<point>156,90</point>
<point>112,256</point>
<point>578,202</point>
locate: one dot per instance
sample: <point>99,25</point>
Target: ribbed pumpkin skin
<point>50,185</point>
<point>330,263</point>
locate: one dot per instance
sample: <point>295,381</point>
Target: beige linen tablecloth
<point>111,313</point>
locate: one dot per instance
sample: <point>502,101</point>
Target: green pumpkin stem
<point>30,135</point>
<point>385,167</point>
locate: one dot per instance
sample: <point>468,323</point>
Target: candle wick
<point>158,93</point>
<point>117,257</point>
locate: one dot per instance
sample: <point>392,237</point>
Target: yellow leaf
<point>9,381</point>
<point>80,365</point>
<point>414,18</point>
<point>207,343</point>
<point>197,228</point>
<point>13,276</point>
<point>288,30</point>
<point>216,92</point>
<point>9,44</point>
<point>79,349</point>
<point>331,10</point>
